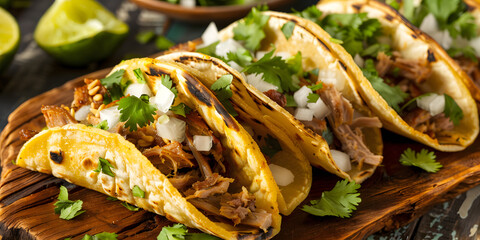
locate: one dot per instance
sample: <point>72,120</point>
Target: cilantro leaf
<point>241,56</point>
<point>392,95</point>
<point>339,202</point>
<point>105,166</point>
<point>275,71</point>
<point>311,13</point>
<point>162,43</point>
<point>466,51</point>
<point>312,97</point>
<point>168,83</point>
<point>136,111</point>
<point>250,29</point>
<point>271,147</point>
<point>137,192</point>
<point>139,75</point>
<point>452,110</point>
<point>67,209</point>
<point>101,236</point>
<point>287,29</point>
<point>295,64</point>
<point>424,160</point>
<point>102,125</point>
<point>180,232</point>
<point>316,87</point>
<point>290,101</point>
<point>181,109</point>
<point>442,9</point>
<point>112,199</point>
<point>114,78</point>
<point>145,37</point>
<point>114,85</point>
<point>222,91</point>
<point>130,206</point>
<point>210,50</point>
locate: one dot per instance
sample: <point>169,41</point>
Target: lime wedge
<point>78,32</point>
<point>9,38</point>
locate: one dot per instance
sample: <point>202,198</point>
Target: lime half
<point>9,38</point>
<point>78,32</point>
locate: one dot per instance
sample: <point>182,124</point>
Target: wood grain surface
<point>392,197</point>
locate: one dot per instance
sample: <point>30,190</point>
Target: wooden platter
<point>394,196</point>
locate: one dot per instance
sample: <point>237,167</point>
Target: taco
<point>455,29</point>
<point>169,137</point>
<point>405,78</point>
<point>289,81</point>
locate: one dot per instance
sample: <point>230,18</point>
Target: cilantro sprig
<point>115,86</point>
<point>67,209</point>
<point>136,111</point>
<point>452,110</point>
<point>222,91</point>
<point>423,159</point>
<point>275,71</point>
<point>168,83</point>
<point>130,207</point>
<point>288,28</point>
<point>99,236</point>
<point>138,192</point>
<point>250,29</point>
<point>105,167</point>
<point>180,232</point>
<point>339,202</point>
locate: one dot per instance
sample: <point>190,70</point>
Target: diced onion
<point>359,60</point>
<point>301,96</point>
<point>429,24</point>
<point>443,38</point>
<point>210,35</point>
<point>342,160</point>
<point>82,113</point>
<point>330,76</point>
<point>202,143</point>
<point>283,55</point>
<point>433,103</point>
<point>475,43</point>
<point>260,54</point>
<point>112,115</point>
<point>319,108</point>
<point>187,3</point>
<point>229,45</point>
<point>304,114</point>
<point>257,81</point>
<point>235,66</point>
<point>138,89</point>
<point>283,177</point>
<point>171,128</point>
<point>163,99</point>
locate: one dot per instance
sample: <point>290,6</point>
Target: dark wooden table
<point>33,72</point>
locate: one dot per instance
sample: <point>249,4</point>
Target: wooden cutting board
<point>392,197</point>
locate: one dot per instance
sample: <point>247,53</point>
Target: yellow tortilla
<point>312,42</point>
<point>80,147</point>
<point>447,77</point>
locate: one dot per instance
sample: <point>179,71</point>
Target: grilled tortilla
<point>411,44</point>
<point>255,105</point>
<point>71,152</point>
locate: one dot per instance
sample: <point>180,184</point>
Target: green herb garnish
<point>424,160</point>
<point>136,111</point>
<point>105,167</point>
<point>67,209</point>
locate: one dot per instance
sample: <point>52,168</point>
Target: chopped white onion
<point>330,76</point>
<point>229,45</point>
<point>475,43</point>
<point>187,3</point>
<point>359,60</point>
<point>138,89</point>
<point>163,99</point>
<point>304,114</point>
<point>429,25</point>
<point>342,160</point>
<point>319,108</point>
<point>202,143</point>
<point>235,66</point>
<point>257,81</point>
<point>283,55</point>
<point>433,103</point>
<point>301,96</point>
<point>282,176</point>
<point>112,115</point>
<point>443,38</point>
<point>210,35</point>
<point>171,128</point>
<point>82,113</point>
<point>260,54</point>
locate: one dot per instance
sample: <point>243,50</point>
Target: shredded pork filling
<point>408,74</point>
<point>470,67</point>
<point>190,170</point>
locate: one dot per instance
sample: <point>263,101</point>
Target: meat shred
<point>56,116</point>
